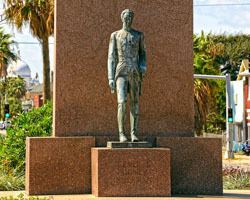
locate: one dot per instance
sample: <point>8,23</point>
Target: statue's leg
<point>134,107</point>
<point>121,86</point>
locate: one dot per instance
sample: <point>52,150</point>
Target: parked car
<point>2,125</point>
<point>246,147</point>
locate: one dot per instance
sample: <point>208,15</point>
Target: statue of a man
<point>126,69</point>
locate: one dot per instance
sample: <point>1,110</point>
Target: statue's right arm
<point>112,57</point>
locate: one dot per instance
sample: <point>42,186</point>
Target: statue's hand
<point>112,85</point>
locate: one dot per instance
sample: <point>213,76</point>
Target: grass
<point>11,182</point>
<point>236,183</point>
<point>22,197</point>
<point>235,178</point>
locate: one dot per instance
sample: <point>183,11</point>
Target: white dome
<point>19,68</point>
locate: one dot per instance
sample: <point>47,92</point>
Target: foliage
<point>210,52</point>
<point>205,53</point>
<point>236,178</point>
<point>11,182</point>
<point>21,196</point>
<point>15,106</point>
<point>215,122</point>
<point>39,16</point>
<point>236,48</point>
<point>15,89</point>
<point>6,54</point>
<point>37,122</point>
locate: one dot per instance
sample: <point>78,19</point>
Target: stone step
<point>117,144</point>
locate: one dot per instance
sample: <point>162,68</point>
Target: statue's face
<point>127,19</point>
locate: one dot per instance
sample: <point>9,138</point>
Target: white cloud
<point>220,19</point>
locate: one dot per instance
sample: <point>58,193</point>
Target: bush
<point>37,122</point>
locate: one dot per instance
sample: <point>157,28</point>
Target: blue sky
<point>222,19</point>
<point>216,19</point>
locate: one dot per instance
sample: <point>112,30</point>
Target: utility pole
<point>229,154</point>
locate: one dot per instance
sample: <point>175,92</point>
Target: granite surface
<point>83,104</point>
<point>131,172</point>
<point>117,144</point>
<point>58,165</point>
<point>196,165</point>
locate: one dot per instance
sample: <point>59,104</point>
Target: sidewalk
<point>228,194</point>
<point>241,161</point>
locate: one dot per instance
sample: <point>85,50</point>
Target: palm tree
<point>39,16</point>
<point>6,56</point>
<point>6,53</point>
<point>205,52</point>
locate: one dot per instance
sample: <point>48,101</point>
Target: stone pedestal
<point>196,164</point>
<point>131,172</point>
<point>117,144</point>
<point>58,165</point>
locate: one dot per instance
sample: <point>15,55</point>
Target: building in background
<point>240,98</point>
<point>33,97</point>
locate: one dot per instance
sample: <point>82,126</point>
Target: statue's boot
<point>121,121</point>
<point>134,118</point>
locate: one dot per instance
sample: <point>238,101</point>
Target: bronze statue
<point>126,69</point>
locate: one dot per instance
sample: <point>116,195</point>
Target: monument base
<point>117,144</point>
<point>131,172</point>
<point>196,165</point>
<point>58,165</point>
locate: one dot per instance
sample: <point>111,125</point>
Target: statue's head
<point>127,17</point>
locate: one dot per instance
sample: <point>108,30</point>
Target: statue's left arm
<point>142,55</point>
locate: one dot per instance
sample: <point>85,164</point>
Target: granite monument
<point>84,111</point>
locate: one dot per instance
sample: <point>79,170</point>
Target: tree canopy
<point>6,53</point>
<point>211,51</point>
<point>14,88</point>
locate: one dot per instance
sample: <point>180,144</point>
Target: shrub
<point>37,122</point>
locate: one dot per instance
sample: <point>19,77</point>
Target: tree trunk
<point>46,70</point>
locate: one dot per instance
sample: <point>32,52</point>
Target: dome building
<point>22,69</point>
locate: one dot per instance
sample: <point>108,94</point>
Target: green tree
<point>236,48</point>
<point>6,56</point>
<point>14,88</point>
<point>205,53</point>
<point>211,51</point>
<point>39,16</point>
<point>6,53</point>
